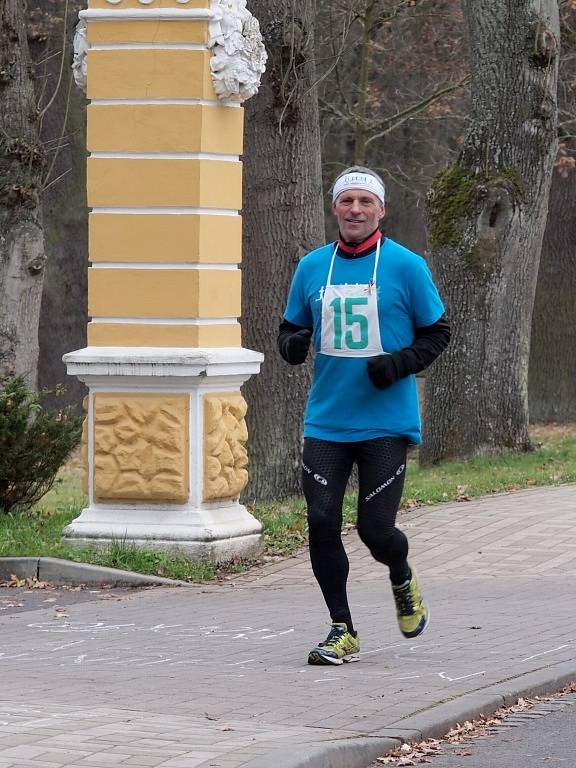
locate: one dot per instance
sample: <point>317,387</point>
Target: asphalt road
<point>19,599</point>
<point>535,738</point>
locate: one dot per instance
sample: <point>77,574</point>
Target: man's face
<point>358,213</point>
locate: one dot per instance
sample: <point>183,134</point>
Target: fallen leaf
<point>16,582</point>
<point>35,584</point>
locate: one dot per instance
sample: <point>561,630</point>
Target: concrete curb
<point>355,752</point>
<point>433,723</point>
<point>67,572</point>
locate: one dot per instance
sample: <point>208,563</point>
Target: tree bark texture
<point>283,219</point>
<point>63,315</point>
<point>22,257</point>
<point>552,373</point>
<point>487,214</point>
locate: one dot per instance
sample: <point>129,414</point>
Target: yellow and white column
<point>165,434</point>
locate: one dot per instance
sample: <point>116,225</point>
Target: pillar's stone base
<point>218,533</point>
<point>165,446</point>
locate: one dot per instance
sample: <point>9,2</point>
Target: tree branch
<point>400,117</point>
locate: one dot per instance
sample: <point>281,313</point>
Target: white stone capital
<point>175,363</point>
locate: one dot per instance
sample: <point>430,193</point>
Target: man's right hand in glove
<point>294,342</point>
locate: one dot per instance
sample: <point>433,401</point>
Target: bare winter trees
<point>392,95</point>
<point>487,214</point>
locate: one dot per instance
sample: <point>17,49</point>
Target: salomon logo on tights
<point>388,482</point>
<point>317,477</point>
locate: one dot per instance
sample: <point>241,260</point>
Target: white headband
<point>359,181</point>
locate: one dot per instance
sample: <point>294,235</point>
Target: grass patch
<point>37,533</point>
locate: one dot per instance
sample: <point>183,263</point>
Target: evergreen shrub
<point>34,443</point>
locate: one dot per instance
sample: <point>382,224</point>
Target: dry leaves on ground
<point>28,582</point>
<point>424,751</point>
<point>31,582</point>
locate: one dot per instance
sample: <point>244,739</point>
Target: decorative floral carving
<point>225,455</point>
<point>238,53</point>
<point>141,447</point>
<point>80,62</point>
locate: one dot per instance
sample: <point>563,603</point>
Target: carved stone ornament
<point>141,447</point>
<point>238,53</point>
<point>225,455</point>
<point>80,62</point>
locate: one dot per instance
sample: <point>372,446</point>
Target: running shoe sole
<point>318,658</point>
<point>420,629</point>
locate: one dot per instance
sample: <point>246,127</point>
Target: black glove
<point>294,346</point>
<point>429,342</point>
<point>382,371</point>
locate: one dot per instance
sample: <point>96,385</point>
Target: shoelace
<point>334,635</point>
<point>404,601</point>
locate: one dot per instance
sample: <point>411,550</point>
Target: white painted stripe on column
<point>148,46</point>
<point>161,101</point>
<point>166,156</point>
<point>173,211</point>
<point>167,320</point>
<point>146,14</point>
<point>159,265</point>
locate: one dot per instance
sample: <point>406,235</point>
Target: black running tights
<point>326,467</point>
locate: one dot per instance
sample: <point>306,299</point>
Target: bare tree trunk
<point>65,213</point>
<point>22,257</point>
<point>487,215</point>
<point>552,375</point>
<point>283,219</point>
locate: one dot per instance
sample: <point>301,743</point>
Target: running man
<point>375,318</point>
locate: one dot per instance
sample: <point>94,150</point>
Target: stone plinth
<point>166,447</point>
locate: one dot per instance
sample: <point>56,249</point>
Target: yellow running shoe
<point>412,614</point>
<point>339,646</point>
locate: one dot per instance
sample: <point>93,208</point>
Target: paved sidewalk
<point>215,676</point>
